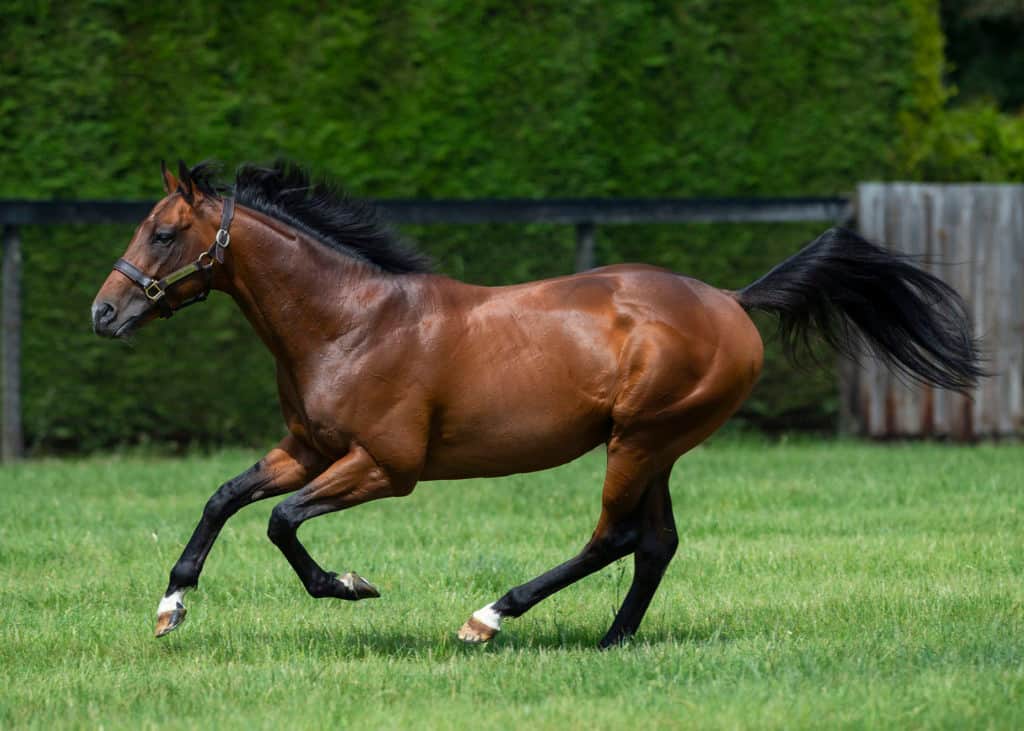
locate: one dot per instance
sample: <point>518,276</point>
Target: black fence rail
<point>583,213</point>
<point>502,210</point>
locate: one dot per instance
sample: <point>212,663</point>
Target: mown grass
<point>817,585</point>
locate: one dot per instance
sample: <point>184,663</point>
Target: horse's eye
<point>163,237</point>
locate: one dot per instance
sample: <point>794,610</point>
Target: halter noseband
<point>156,289</point>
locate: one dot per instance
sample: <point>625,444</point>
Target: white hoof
<point>170,613</point>
<point>482,626</point>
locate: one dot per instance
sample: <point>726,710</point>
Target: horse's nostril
<point>103,313</point>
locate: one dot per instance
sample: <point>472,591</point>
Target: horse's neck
<point>294,291</point>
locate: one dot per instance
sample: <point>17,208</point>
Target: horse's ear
<point>170,182</point>
<point>185,186</point>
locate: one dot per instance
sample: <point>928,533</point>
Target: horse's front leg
<point>355,478</point>
<point>285,468</point>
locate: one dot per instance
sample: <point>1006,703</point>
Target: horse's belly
<point>529,385</point>
<point>511,443</point>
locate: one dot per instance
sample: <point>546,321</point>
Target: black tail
<point>851,292</point>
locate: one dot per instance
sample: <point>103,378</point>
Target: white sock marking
<point>488,616</point>
<point>171,602</point>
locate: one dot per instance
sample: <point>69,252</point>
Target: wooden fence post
<point>12,447</point>
<point>585,238</point>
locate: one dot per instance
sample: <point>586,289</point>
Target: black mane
<point>318,207</point>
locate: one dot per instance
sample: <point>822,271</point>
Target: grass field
<point>816,585</point>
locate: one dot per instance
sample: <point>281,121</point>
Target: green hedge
<point>461,98</point>
<point>974,142</point>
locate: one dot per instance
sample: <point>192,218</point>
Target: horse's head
<point>168,262</point>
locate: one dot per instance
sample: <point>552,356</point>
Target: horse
<point>389,374</point>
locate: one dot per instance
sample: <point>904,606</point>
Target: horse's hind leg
<point>616,535</point>
<point>654,551</point>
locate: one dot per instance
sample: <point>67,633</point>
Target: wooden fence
<point>973,237</point>
<point>584,214</point>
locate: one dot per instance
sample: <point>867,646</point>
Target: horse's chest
<point>321,421</point>
<point>330,422</point>
<point>329,432</point>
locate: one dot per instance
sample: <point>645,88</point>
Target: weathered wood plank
<point>981,236</point>
<point>1012,317</point>
<point>871,210</point>
<point>909,231</point>
<point>945,218</point>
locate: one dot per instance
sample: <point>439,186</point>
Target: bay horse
<point>389,374</point>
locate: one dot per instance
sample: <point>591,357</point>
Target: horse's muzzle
<point>104,318</point>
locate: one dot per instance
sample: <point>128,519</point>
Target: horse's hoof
<point>170,613</point>
<point>360,587</point>
<point>169,621</point>
<point>476,632</point>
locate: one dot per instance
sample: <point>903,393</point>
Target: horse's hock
<point>971,236</point>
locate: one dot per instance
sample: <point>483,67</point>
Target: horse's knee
<point>671,545</point>
<point>658,547</point>
<point>615,543</point>
<point>217,505</point>
<point>283,523</point>
<point>229,498</point>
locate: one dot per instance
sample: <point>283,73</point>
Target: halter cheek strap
<point>156,289</point>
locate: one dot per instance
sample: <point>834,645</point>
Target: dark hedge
<point>454,99</point>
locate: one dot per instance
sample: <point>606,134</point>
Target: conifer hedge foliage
<point>465,98</point>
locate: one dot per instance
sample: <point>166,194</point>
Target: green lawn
<point>817,584</point>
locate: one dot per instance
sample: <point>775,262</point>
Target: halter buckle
<point>205,255</point>
<point>223,238</point>
<point>154,291</point>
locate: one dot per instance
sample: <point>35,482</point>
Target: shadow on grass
<point>587,639</point>
<point>355,643</point>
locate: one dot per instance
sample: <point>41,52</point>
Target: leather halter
<point>156,289</point>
